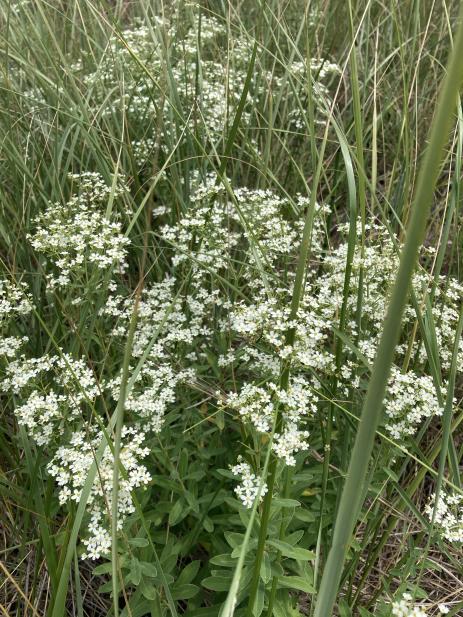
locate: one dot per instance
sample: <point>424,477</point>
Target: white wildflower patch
<point>202,272</point>
<point>15,300</point>
<point>248,489</point>
<point>77,236</point>
<point>70,467</point>
<point>182,314</point>
<point>55,391</point>
<point>410,399</point>
<point>201,107</point>
<point>448,516</point>
<point>405,608</point>
<point>252,235</point>
<point>257,407</point>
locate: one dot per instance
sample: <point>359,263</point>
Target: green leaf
<point>138,542</point>
<point>188,573</point>
<point>225,560</point>
<point>103,568</point>
<point>134,575</point>
<point>293,552</point>
<point>294,537</point>
<point>234,539</point>
<point>183,463</point>
<point>304,515</point>
<point>252,544</point>
<point>226,473</point>
<point>216,583</point>
<point>285,503</point>
<point>266,568</point>
<point>282,608</point>
<point>344,609</point>
<point>259,603</point>
<point>148,569</point>
<point>208,524</point>
<point>176,513</point>
<point>148,590</point>
<point>106,587</point>
<point>296,582</point>
<point>184,592</point>
<point>192,501</point>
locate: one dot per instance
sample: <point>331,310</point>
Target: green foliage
<point>202,210</point>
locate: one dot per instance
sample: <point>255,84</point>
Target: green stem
<point>299,285</point>
<point>115,571</point>
<point>117,453</point>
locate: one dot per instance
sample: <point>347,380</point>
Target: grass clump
<point>204,210</point>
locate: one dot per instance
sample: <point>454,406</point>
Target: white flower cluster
<point>253,226</point>
<point>445,311</point>
<point>449,515</point>
<point>248,489</point>
<point>166,318</point>
<point>55,391</point>
<point>404,608</point>
<point>78,234</point>
<point>201,106</point>
<point>9,345</point>
<point>254,404</point>
<point>70,467</point>
<point>152,393</point>
<point>411,396</point>
<point>378,265</point>
<point>14,300</point>
<point>409,400</point>
<point>290,442</point>
<point>269,319</point>
<point>323,72</point>
<point>257,407</point>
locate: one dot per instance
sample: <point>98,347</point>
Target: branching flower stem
<point>118,430</point>
<point>299,283</point>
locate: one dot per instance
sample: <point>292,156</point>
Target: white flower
<point>78,234</point>
<point>288,443</point>
<point>248,490</point>
<point>403,608</point>
<point>254,404</point>
<point>70,467</point>
<point>15,300</point>
<point>448,515</point>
